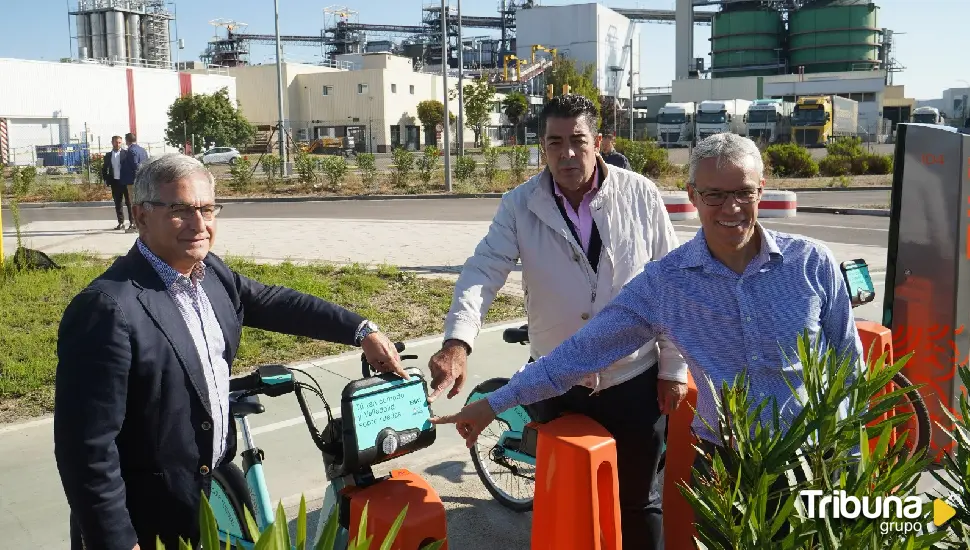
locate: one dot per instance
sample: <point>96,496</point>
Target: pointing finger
<point>446,419</point>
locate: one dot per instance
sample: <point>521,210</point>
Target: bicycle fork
<point>252,466</point>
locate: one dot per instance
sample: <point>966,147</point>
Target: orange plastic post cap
<point>678,515</point>
<point>425,520</point>
<point>577,495</point>
<point>877,341</point>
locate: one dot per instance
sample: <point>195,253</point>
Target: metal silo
<point>83,36</point>
<point>99,48</point>
<point>835,36</point>
<point>134,38</point>
<point>116,35</point>
<point>747,40</point>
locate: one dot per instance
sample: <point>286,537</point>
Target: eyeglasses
<point>718,198</point>
<point>187,211</point>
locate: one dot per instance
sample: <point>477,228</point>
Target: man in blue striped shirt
<point>736,296</point>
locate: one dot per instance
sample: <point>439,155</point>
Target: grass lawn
<point>31,305</point>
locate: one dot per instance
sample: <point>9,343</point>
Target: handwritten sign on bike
<point>389,416</point>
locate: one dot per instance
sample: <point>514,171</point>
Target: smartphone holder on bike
<point>382,417</point>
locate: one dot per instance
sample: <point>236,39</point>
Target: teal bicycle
<point>382,417</point>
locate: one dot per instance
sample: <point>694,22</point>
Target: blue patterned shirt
<point>720,321</point>
<point>196,311</point>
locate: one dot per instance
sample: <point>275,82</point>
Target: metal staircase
<point>535,70</point>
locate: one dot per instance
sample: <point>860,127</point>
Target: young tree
<point>581,80</point>
<point>431,113</point>
<point>479,97</point>
<point>211,117</point>
<point>516,107</point>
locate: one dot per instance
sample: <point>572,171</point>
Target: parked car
<point>220,155</point>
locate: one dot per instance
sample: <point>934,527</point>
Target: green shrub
<point>730,505</point>
<point>428,164</point>
<point>880,164</point>
<point>790,160</point>
<point>489,163</point>
<point>847,147</point>
<point>277,534</point>
<point>835,165</point>
<point>335,169</point>
<point>367,164</point>
<point>518,161</point>
<point>23,179</point>
<point>403,165</point>
<point>97,164</point>
<point>272,166</point>
<point>306,167</point>
<point>645,157</point>
<point>241,173</point>
<point>464,168</point>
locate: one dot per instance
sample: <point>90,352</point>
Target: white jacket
<point>562,292</point>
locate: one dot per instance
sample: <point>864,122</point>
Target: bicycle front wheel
<point>919,426</point>
<point>229,499</point>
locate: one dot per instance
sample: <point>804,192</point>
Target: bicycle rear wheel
<point>229,498</point>
<point>919,426</point>
<point>509,480</point>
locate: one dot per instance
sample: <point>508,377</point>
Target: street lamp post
<point>444,80</point>
<point>279,89</point>
<point>460,131</point>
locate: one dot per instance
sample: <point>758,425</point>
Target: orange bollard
<point>679,529</point>
<point>424,523</point>
<point>876,341</point>
<point>577,495</point>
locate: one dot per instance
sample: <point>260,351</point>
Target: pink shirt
<point>583,218</point>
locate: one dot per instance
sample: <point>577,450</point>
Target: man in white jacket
<point>582,229</point>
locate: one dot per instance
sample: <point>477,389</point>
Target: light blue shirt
<point>196,311</point>
<point>720,321</point>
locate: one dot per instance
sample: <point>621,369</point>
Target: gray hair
<point>170,168</point>
<point>729,149</point>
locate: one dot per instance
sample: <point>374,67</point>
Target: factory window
<point>393,88</point>
<point>362,88</point>
<point>412,89</point>
<point>328,90</point>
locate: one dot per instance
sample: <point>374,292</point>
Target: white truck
<point>928,115</point>
<point>769,120</point>
<point>675,125</point>
<point>721,116</point>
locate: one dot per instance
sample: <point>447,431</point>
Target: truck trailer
<point>769,120</point>
<point>675,125</point>
<point>721,116</point>
<point>820,119</point>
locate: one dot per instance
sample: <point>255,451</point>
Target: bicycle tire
<point>232,483</point>
<point>487,387</point>
<point>924,427</point>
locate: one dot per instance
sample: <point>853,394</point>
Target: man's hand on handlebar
<point>382,355</point>
<point>470,420</point>
<point>448,369</point>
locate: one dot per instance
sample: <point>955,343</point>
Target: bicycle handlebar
<point>365,367</point>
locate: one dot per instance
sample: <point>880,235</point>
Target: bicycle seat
<point>241,406</point>
<point>516,335</point>
<point>383,417</point>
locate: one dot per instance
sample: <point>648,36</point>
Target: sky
<point>927,32</point>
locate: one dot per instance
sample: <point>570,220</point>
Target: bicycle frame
<point>252,459</point>
<point>516,418</point>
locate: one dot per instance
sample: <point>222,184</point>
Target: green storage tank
<point>837,36</point>
<point>747,42</point>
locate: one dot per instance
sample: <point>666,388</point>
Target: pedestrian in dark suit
<point>136,155</point>
<point>112,172</point>
<point>610,154</point>
<point>144,356</point>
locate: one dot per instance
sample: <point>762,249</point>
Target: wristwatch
<point>365,328</point>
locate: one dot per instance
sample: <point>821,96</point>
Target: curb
<point>844,211</point>
<point>239,200</point>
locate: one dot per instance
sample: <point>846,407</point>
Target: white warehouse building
<point>371,97</point>
<point>588,33</point>
<point>49,104</point>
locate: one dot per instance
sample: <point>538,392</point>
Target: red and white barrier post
<point>777,204</point>
<point>679,206</point>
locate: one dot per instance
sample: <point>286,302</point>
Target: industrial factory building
<point>371,97</point>
<point>132,32</point>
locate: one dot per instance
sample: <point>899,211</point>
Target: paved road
<point>821,226</point>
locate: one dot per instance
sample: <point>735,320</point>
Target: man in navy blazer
<point>144,356</point>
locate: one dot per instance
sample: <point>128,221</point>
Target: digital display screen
<point>401,405</point>
<point>857,277</point>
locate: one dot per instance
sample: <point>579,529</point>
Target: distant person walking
<point>113,175</point>
<point>136,155</point>
<point>610,154</point>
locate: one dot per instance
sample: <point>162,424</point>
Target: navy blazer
<point>132,422</point>
<point>135,156</point>
<point>107,169</point>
